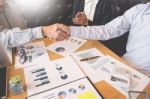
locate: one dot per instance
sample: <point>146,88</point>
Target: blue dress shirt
<point>137,21</point>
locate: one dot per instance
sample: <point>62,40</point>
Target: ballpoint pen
<point>89,58</point>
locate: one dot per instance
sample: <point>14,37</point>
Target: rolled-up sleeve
<point>15,37</point>
<point>113,29</point>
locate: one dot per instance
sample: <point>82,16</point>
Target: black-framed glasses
<point>22,55</point>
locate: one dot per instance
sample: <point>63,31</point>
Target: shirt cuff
<point>74,31</point>
<point>37,33</point>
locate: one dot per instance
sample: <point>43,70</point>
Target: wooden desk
<point>105,89</point>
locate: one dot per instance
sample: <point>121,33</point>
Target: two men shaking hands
<point>57,32</point>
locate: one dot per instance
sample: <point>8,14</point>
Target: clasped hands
<point>56,32</point>
<point>59,32</point>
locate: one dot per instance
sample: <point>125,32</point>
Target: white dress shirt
<point>15,37</point>
<point>89,8</point>
<point>137,21</point>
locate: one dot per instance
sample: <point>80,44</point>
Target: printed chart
<point>81,89</point>
<point>43,77</point>
<point>66,47</point>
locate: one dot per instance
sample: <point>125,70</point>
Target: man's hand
<point>80,18</point>
<point>56,32</point>
<point>64,28</point>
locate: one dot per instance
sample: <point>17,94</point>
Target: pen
<point>89,58</point>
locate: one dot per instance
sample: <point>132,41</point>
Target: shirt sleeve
<point>113,29</point>
<point>15,37</point>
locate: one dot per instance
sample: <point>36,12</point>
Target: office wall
<point>48,12</point>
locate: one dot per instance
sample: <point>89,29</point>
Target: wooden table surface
<point>105,89</point>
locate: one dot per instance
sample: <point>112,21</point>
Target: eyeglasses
<point>22,55</point>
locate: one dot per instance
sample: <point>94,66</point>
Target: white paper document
<point>66,47</point>
<point>43,77</point>
<point>91,65</point>
<point>80,89</point>
<point>124,78</point>
<point>117,74</point>
<point>31,54</point>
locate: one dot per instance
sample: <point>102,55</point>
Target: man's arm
<point>15,37</point>
<point>113,29</point>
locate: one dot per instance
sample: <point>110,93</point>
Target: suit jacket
<point>106,10</point>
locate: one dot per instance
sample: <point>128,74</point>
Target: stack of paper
<point>119,75</point>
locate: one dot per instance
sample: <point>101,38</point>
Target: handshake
<point>57,32</point>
